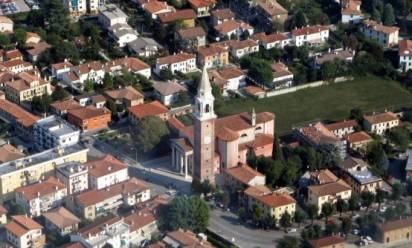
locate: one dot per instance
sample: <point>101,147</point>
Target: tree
<point>400,209</point>
<point>88,85</point>
<point>4,40</point>
<point>376,15</point>
<point>285,220</point>
<point>367,199</point>
<point>107,81</point>
<point>149,132</point>
<point>327,210</point>
<point>299,216</point>
<point>346,225</point>
<point>112,106</point>
<point>390,214</point>
<point>380,197</point>
<point>242,214</point>
<point>356,114</point>
<point>388,15</point>
<point>258,69</point>
<point>289,242</point>
<point>182,99</point>
<point>20,36</point>
<point>59,93</point>
<point>397,191</point>
<point>16,209</point>
<point>188,213</point>
<point>269,222</point>
<point>256,213</point>
<point>107,245</point>
<point>313,212</point>
<point>166,74</point>
<point>342,206</point>
<point>353,203</point>
<point>400,137</point>
<point>41,103</point>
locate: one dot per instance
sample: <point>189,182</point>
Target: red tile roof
<point>201,3</point>
<point>88,112</point>
<point>222,14</point>
<point>61,217</point>
<point>21,224</point>
<point>269,38</point>
<point>231,25</point>
<point>176,58</point>
<point>41,189</point>
<point>139,219</point>
<point>148,109</point>
<point>309,30</point>
<point>326,241</point>
<point>243,173</point>
<point>105,166</point>
<point>341,125</point>
<point>405,48</point>
<point>329,188</point>
<point>129,93</point>
<point>358,137</point>
<point>65,105</point>
<point>379,27</point>
<point>184,14</point>
<point>21,116</point>
<point>395,225</point>
<point>272,7</point>
<point>189,33</point>
<point>9,153</point>
<point>380,118</point>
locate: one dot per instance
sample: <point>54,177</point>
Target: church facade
<point>212,144</point>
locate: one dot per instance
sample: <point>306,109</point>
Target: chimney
<point>253,117</point>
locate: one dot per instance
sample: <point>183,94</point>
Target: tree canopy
<point>149,132</point>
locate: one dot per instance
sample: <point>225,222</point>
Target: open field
<point>332,102</point>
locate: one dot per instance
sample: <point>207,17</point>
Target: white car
<point>355,231</point>
<point>383,209</point>
<point>291,230</point>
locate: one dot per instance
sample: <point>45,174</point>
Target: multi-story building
<point>168,92</point>
<point>219,16</point>
<point>351,12</point>
<point>191,38</point>
<point>53,131</point>
<point>311,35</point>
<point>155,7</point>
<point>23,232</point>
<point>31,169</point>
<point>154,108</point>
<point>185,238</point>
<point>60,108</point>
<point>395,230</point>
<point>89,118</point>
<point>142,226</point>
<point>202,7</point>
<point>282,77</point>
<point>26,87</point>
<point>405,55</point>
<point>40,197</point>
<point>9,153</point>
<point>185,16</point>
<point>243,176</point>
<point>17,66</point>
<point>122,34</point>
<point>126,97</point>
<point>60,69</point>
<point>233,29</point>
<point>144,47</point>
<point>239,48</point>
<point>61,220</point>
<point>182,62</point>
<point>358,141</point>
<point>76,7</point>
<point>213,56</point>
<point>269,41</point>
<point>342,128</point>
<point>380,123</point>
<point>386,36</point>
<point>94,203</point>
<point>110,15</point>
<point>106,171</point>
<point>110,229</point>
<point>228,79</point>
<point>270,11</point>
<point>328,192</point>
<point>74,175</point>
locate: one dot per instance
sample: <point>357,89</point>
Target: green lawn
<point>332,102</point>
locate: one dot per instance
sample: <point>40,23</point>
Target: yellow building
<point>30,169</point>
<point>25,87</point>
<point>328,192</point>
<point>214,56</point>
<point>272,203</point>
<point>395,230</point>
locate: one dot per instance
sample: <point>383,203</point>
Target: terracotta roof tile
<point>201,3</point>
<point>405,48</point>
<point>65,105</point>
<point>129,93</point>
<point>231,25</point>
<point>9,153</point>
<point>272,7</point>
<point>358,137</point>
<point>222,14</point>
<point>21,116</point>
<point>269,38</point>
<point>61,217</point>
<point>168,88</point>
<point>211,51</point>
<point>183,14</point>
<point>341,125</point>
<point>21,224</point>
<point>324,176</point>
<point>380,118</point>
<point>139,219</point>
<point>33,191</point>
<point>187,239</point>
<point>329,188</point>
<point>189,33</point>
<point>326,241</point>
<point>88,112</point>
<point>105,166</point>
<point>309,30</point>
<point>243,173</point>
<point>148,109</point>
<point>395,225</point>
<point>379,27</point>
<point>62,65</point>
<point>176,58</point>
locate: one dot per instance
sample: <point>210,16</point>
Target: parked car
<point>355,231</point>
<point>291,230</point>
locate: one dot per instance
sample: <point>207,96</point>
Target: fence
<point>305,86</point>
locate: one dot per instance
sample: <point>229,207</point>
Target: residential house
<point>76,7</point>
<point>93,71</point>
<point>271,11</point>
<point>358,141</point>
<point>186,16</point>
<point>6,25</point>
<point>142,226</point>
<point>34,51</point>
<point>386,36</point>
<point>53,131</point>
<point>144,47</point>
<point>394,230</point>
<point>328,192</point>
<point>342,128</point>
<point>89,118</point>
<point>154,108</point>
<point>94,203</point>
<point>110,15</point>
<point>109,229</point>
<point>17,66</point>
<point>155,8</point>
<point>42,196</point>
<point>242,176</point>
<point>9,153</point>
<point>351,12</point>
<point>3,215</point>
<point>13,54</point>
<point>21,120</point>
<point>202,7</point>
<point>182,62</point>
<point>191,38</point>
<point>213,56</point>
<point>319,137</point>
<point>26,87</point>
<point>122,34</point>
<point>59,69</point>
<point>32,38</point>
<point>239,48</point>
<point>227,79</point>
<point>359,177</point>
<point>127,97</point>
<point>185,238</point>
<point>130,64</point>
<point>106,171</point>
<point>334,241</point>
<point>60,108</point>
<point>168,92</point>
<point>219,16</point>
<point>310,35</point>
<point>282,77</point>
<point>405,55</point>
<point>343,55</point>
<point>61,220</point>
<point>74,175</point>
<point>269,41</point>
<point>272,203</point>
<point>233,29</point>
<point>254,91</point>
<point>380,123</point>
<point>24,232</point>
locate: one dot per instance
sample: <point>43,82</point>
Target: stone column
<point>173,157</point>
<point>181,164</point>
<point>186,165</point>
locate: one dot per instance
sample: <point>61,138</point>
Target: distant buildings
<point>351,12</point>
<point>182,62</point>
<point>386,36</point>
<point>405,54</point>
<point>396,230</point>
<point>310,35</point>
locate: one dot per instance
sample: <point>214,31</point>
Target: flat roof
<point>56,126</point>
<point>364,176</point>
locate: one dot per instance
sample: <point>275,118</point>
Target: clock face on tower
<point>207,140</point>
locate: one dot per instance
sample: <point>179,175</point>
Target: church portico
<point>182,157</point>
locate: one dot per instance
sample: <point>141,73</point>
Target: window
<point>207,109</point>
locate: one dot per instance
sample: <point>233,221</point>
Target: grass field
<point>332,102</point>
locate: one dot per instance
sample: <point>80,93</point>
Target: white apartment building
<point>342,128</point>
<point>269,41</point>
<point>386,36</point>
<point>52,132</point>
<point>76,7</point>
<point>405,55</point>
<point>23,232</point>
<point>106,172</point>
<point>75,176</point>
<point>282,77</point>
<point>240,48</point>
<point>110,15</point>
<point>59,69</point>
<point>40,197</point>
<point>310,35</point>
<point>182,62</point>
<point>122,34</point>
<point>351,12</point>
<point>228,79</point>
<point>380,123</point>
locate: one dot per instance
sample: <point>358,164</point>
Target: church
<point>203,150</point>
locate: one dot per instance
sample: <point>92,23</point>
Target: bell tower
<point>204,128</point>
